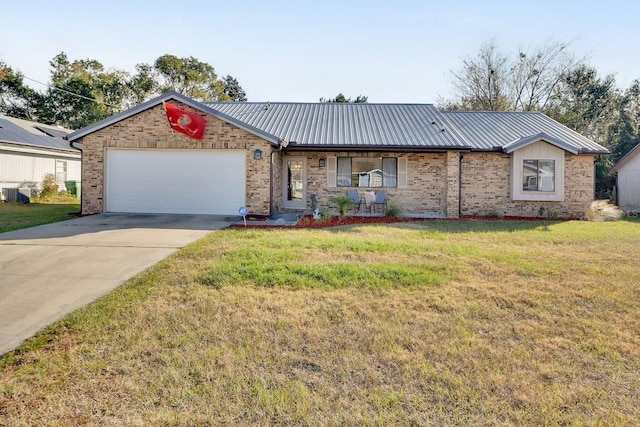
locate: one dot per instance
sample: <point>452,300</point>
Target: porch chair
<point>355,199</point>
<point>381,199</point>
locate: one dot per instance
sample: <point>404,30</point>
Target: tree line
<point>553,80</point>
<point>81,92</point>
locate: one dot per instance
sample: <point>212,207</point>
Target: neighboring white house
<point>29,151</point>
<point>628,182</point>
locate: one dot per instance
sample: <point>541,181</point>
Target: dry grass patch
<point>450,323</point>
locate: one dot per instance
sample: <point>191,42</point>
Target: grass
<point>14,216</point>
<point>434,323</point>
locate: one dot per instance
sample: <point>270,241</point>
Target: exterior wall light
<point>257,154</point>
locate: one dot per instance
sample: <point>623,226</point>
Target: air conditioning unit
<point>19,195</point>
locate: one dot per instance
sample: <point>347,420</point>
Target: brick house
<point>273,157</point>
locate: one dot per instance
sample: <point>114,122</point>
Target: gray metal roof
<point>342,125</point>
<point>32,134</point>
<point>489,130</point>
<point>376,126</point>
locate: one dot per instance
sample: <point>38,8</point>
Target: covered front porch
<point>421,185</point>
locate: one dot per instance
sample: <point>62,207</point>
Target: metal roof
<point>376,126</point>
<point>347,125</point>
<point>32,134</point>
<point>493,130</point>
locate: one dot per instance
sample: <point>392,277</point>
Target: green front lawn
<point>432,323</point>
<point>14,216</point>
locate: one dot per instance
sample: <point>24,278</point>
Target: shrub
<point>343,203</point>
<point>49,186</point>
<point>394,210</point>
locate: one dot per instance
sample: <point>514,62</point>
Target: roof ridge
<point>315,103</point>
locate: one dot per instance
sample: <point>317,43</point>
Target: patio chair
<point>381,199</point>
<point>355,199</point>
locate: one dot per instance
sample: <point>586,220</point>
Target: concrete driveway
<point>51,270</point>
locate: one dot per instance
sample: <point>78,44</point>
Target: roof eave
<point>615,168</point>
<point>528,140</point>
<point>157,101</point>
<point>368,148</point>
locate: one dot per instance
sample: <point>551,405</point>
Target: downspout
<point>271,195</point>
<point>81,171</point>
<point>460,157</point>
<point>595,177</point>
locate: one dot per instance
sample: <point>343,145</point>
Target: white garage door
<point>175,181</point>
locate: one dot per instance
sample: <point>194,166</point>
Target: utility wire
<point>70,93</point>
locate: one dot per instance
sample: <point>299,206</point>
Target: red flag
<point>190,124</point>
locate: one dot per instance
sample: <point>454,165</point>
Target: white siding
<point>537,151</point>
<point>629,184</point>
<point>18,167</point>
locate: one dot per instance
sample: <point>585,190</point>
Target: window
<point>367,172</point>
<point>539,175</point>
<point>61,172</point>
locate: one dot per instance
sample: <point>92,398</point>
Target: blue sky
<point>400,51</point>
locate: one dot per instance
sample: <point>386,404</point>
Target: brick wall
<point>426,192</point>
<point>486,180</point>
<point>149,130</point>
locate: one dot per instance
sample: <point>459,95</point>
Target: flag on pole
<point>185,122</point>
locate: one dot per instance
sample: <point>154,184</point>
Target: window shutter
<point>331,171</point>
<point>402,173</point>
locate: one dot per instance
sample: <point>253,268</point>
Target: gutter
<point>374,148</point>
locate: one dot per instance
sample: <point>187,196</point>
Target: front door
<point>295,183</point>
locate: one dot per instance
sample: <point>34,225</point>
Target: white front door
<point>295,183</point>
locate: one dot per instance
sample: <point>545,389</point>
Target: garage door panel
<point>175,181</point>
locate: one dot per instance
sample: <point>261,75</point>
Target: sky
<point>400,51</point>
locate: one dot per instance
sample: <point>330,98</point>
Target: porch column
<point>453,184</point>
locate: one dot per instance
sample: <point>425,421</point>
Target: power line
<point>70,93</point>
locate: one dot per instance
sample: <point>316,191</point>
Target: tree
<point>535,77</point>
<point>482,83</point>
<point>492,81</point>
<point>233,90</point>
<point>82,92</point>
<point>143,85</point>
<point>340,98</point>
<point>192,78</point>
<point>624,132</point>
<point>586,102</point>
<point>16,99</point>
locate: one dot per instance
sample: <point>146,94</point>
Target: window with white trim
<point>61,172</point>
<point>368,172</point>
<point>538,175</point>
